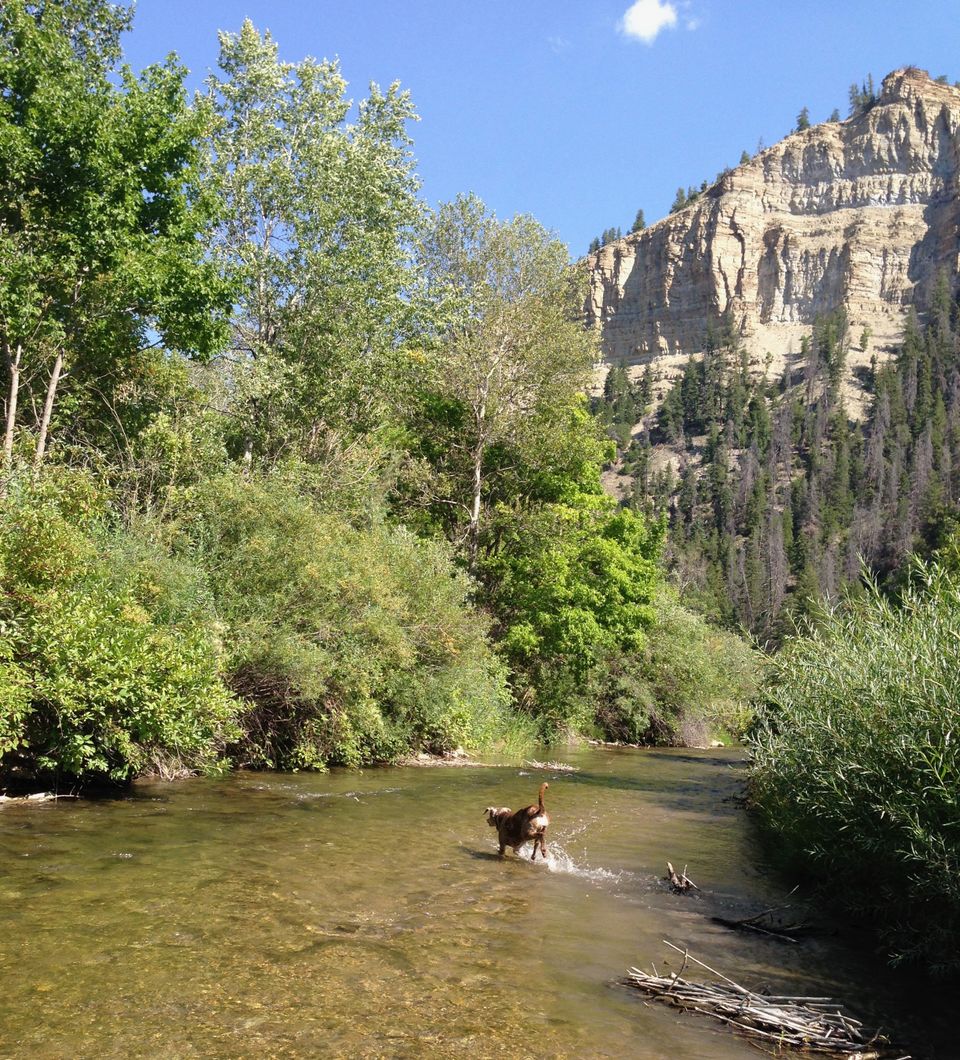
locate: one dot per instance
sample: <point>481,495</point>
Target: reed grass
<point>855,761</point>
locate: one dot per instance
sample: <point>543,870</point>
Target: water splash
<point>558,860</point>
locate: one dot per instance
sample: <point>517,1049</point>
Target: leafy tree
<point>575,585</point>
<point>100,212</point>
<point>318,215</point>
<point>504,377</point>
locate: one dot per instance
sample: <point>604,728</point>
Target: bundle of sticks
<point>813,1024</point>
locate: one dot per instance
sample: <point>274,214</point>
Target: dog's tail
<point>543,788</point>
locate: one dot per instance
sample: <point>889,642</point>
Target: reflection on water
<point>368,915</point>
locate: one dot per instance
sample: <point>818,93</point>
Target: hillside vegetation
<point>777,496</point>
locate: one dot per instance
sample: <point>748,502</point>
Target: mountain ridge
<point>860,215</point>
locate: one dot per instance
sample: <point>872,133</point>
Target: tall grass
<point>856,770</point>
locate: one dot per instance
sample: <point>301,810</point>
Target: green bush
<point>102,675</point>
<point>688,679</point>
<point>856,770</point>
<point>348,645</point>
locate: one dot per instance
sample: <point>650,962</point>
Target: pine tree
<point>803,120</point>
<point>639,224</point>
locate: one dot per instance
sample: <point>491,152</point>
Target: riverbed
<point>367,914</point>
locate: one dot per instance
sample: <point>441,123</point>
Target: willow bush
<point>109,662</point>
<point>348,644</point>
<point>856,771</point>
<point>688,680</point>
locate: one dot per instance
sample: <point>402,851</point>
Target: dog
<point>516,827</point>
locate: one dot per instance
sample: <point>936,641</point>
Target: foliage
<point>110,664</point>
<point>856,771</point>
<point>862,97</point>
<point>689,679</point>
<point>100,214</point>
<point>572,583</point>
<point>498,386</point>
<point>318,211</point>
<point>348,645</point>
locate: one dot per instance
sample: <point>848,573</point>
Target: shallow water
<point>367,914</point>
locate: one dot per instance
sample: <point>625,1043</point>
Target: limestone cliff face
<point>862,214</point>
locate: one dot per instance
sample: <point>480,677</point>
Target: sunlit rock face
<point>861,214</point>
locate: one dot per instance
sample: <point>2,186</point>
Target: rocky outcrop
<point>861,214</point>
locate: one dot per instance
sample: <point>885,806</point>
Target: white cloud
<point>644,19</point>
<point>558,45</point>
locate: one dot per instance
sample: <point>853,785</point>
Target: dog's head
<point>495,814</point>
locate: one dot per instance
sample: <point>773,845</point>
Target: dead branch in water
<point>811,1024</point>
<point>40,796</point>
<point>681,883</point>
<point>553,767</point>
<point>764,923</point>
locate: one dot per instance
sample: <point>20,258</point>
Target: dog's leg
<point>543,845</point>
<point>503,849</point>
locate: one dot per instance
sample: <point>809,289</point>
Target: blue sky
<point>581,111</point>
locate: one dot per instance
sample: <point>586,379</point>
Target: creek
<point>368,915</point>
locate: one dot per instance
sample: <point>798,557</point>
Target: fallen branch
<point>40,796</point>
<point>681,883</point>
<point>811,1024</point>
<point>554,767</point>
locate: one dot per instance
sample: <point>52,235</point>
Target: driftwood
<point>763,923</point>
<point>553,767</point>
<point>40,796</point>
<point>681,883</point>
<point>811,1024</point>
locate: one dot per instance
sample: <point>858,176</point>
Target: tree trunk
<point>48,411</point>
<point>473,530</point>
<point>13,363</point>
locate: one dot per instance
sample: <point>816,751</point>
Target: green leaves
<point>856,766</point>
<point>100,212</point>
<point>318,211</point>
<point>100,677</point>
<point>348,645</point>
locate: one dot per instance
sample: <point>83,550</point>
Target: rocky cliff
<point>861,214</point>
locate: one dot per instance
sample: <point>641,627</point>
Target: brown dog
<point>514,828</point>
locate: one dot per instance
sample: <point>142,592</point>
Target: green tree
<point>679,201</point>
<point>318,214</point>
<point>639,223</point>
<point>803,120</point>
<point>100,212</point>
<point>503,377</point>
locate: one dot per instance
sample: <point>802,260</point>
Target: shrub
<point>688,678</point>
<point>98,679</point>
<point>348,644</point>
<point>856,770</point>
